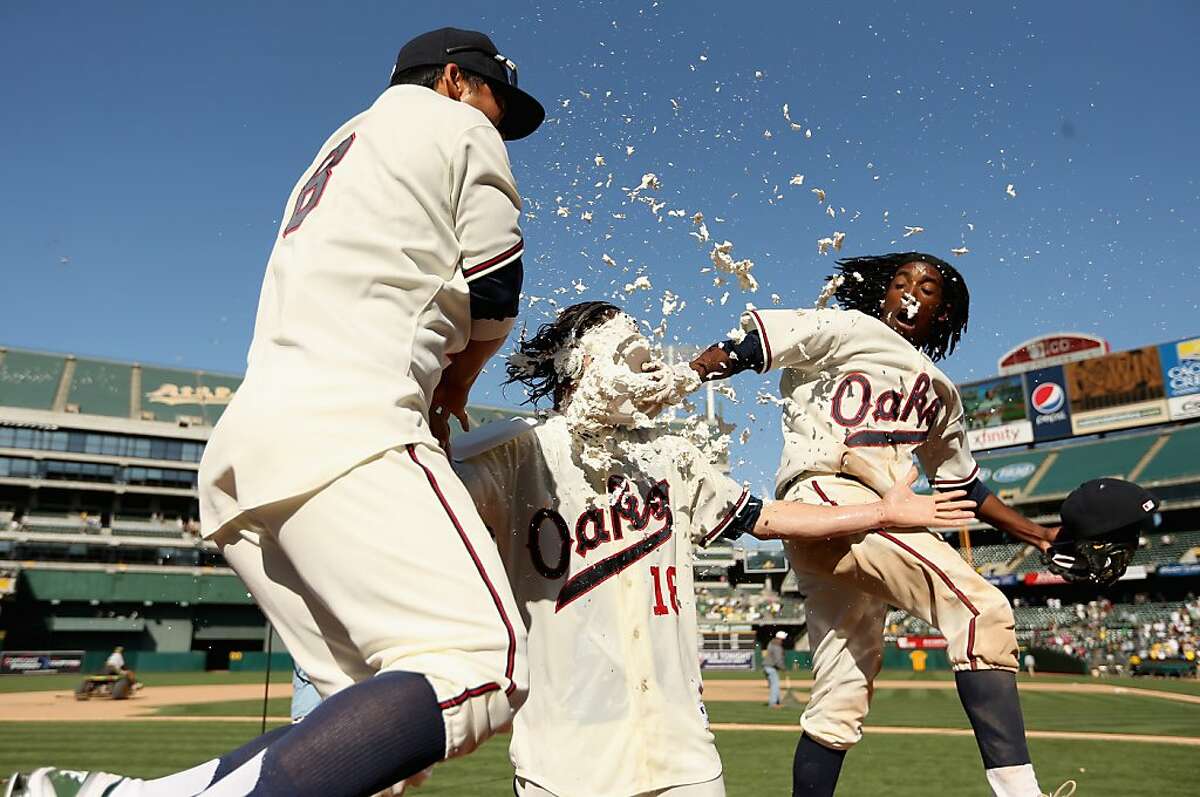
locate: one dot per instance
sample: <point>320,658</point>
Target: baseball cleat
<point>54,782</point>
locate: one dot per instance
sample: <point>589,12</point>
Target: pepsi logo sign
<point>1048,397</point>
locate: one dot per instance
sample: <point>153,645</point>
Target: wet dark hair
<point>535,366</point>
<point>865,293</point>
<point>429,75</point>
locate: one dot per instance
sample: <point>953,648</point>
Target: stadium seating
<point>745,605</point>
<point>146,528</point>
<point>990,559</point>
<point>58,524</point>
<point>29,379</point>
<point>1162,549</point>
<point>1178,459</point>
<point>1077,464</point>
<point>1006,473</point>
<point>1044,616</point>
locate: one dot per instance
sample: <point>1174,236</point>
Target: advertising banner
<point>1046,392</point>
<point>1053,349</point>
<point>921,642</point>
<point>1116,391</point>
<point>1043,578</point>
<point>1003,581</point>
<point>1178,570</point>
<point>40,662</point>
<point>1181,374</point>
<point>996,414</point>
<point>727,659</point>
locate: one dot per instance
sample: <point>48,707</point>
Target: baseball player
<point>862,396</point>
<point>595,513</point>
<point>395,275</point>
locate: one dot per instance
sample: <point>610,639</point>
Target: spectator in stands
<point>773,662</point>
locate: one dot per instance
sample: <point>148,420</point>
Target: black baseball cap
<point>474,52</point>
<point>1104,507</point>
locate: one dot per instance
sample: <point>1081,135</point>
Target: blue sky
<point>150,147</point>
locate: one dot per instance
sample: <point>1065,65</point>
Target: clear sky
<point>149,148</point>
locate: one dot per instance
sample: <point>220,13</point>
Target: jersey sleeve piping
<point>733,512</point>
<point>494,263</point>
<point>766,342</point>
<point>956,483</point>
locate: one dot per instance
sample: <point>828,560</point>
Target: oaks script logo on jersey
<point>856,403</point>
<point>645,518</point>
<point>1048,400</point>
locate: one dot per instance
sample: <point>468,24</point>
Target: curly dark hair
<point>866,280</point>
<point>533,363</point>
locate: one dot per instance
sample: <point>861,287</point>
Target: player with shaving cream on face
<point>861,397</point>
<point>596,512</point>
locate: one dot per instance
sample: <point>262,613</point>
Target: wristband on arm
<point>744,355</point>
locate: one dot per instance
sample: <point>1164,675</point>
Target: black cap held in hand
<point>475,52</point>
<point>1101,507</point>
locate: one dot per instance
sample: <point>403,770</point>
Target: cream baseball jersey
<point>600,564</point>
<point>860,400</point>
<point>366,293</point>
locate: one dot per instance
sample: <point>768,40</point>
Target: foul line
<point>891,730</point>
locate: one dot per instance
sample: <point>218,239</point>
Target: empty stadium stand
<point>1177,460</point>
<point>1078,463</point>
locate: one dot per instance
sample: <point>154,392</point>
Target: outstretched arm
<point>723,360</point>
<point>1000,515</point>
<point>899,508</point>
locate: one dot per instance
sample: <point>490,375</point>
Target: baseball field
<point>1114,737</point>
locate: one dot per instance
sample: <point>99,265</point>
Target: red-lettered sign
<point>921,642</point>
<point>1055,349</point>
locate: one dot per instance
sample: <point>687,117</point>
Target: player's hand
<point>449,400</point>
<point>712,363</point>
<point>903,508</point>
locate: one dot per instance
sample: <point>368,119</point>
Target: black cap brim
<point>522,113</point>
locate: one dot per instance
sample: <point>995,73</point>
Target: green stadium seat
<point>994,559</point>
<point>1080,463</point>
<point>1157,552</point>
<point>29,379</point>
<point>100,388</point>
<point>1178,459</point>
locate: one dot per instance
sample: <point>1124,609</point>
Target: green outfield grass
<point>1044,711</point>
<point>757,763</point>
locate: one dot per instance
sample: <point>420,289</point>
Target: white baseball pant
<point>849,583</point>
<point>389,567</point>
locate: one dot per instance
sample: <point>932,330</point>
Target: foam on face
<point>617,382</point>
